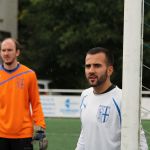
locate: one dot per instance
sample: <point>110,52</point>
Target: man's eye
<point>97,65</point>
<point>9,49</point>
<point>6,49</point>
<point>87,66</point>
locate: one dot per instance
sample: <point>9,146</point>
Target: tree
<point>146,48</point>
<point>57,34</point>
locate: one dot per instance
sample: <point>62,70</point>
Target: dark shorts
<point>16,144</point>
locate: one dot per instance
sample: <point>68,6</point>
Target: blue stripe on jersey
<point>1,68</point>
<point>3,82</point>
<point>118,109</point>
<point>82,102</point>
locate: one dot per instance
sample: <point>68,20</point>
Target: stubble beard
<point>100,81</point>
<point>9,63</point>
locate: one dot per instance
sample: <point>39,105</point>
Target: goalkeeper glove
<point>40,135</point>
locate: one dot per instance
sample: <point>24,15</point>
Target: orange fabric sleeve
<point>37,113</point>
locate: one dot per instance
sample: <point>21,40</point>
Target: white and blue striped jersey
<point>101,120</point>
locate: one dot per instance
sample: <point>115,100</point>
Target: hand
<point>43,144</point>
<point>40,135</point>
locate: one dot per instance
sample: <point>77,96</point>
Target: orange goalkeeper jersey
<point>20,106</point>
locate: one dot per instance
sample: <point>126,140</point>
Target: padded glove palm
<point>40,135</point>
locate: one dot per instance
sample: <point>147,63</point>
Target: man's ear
<point>110,70</point>
<point>18,52</point>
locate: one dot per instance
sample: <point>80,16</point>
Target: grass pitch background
<point>63,133</point>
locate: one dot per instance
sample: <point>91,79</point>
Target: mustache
<point>92,75</point>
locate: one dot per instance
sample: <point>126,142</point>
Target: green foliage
<point>57,34</point>
<point>146,47</point>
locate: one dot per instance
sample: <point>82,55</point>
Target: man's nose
<point>92,69</point>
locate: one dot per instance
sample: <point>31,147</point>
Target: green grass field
<point>63,133</point>
<point>146,127</point>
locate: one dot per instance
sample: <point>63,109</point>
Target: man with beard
<point>101,105</point>
<point>18,95</point>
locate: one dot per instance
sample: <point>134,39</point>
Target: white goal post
<point>132,73</point>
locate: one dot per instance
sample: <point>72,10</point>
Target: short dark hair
<point>108,53</point>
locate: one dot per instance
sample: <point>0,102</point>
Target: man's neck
<point>10,66</point>
<point>102,88</point>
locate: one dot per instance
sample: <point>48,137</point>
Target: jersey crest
<point>103,113</point>
<point>20,83</point>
